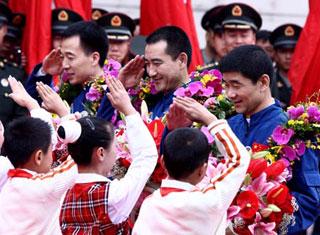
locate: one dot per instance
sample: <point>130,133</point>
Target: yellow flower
<point>220,97</point>
<point>206,78</point>
<point>291,122</point>
<point>146,90</point>
<point>271,158</point>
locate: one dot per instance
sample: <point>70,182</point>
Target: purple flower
<point>216,73</point>
<point>295,112</point>
<point>313,113</point>
<point>282,135</point>
<point>300,147</point>
<point>207,92</point>
<point>153,89</point>
<point>112,68</point>
<point>194,87</point>
<point>289,153</point>
<point>64,77</point>
<point>259,227</point>
<point>180,92</point>
<point>93,94</point>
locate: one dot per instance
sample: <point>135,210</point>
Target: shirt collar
<point>167,183</point>
<point>91,177</point>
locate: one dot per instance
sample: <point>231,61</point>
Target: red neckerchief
<point>164,191</point>
<point>19,173</point>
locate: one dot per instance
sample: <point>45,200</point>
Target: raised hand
<point>177,118</point>
<point>51,101</point>
<point>132,72</point>
<point>52,63</point>
<point>20,95</point>
<point>119,97</point>
<point>194,110</point>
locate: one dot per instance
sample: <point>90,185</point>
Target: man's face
<point>283,56</point>
<point>3,32</point>
<point>162,68</point>
<point>266,46</point>
<point>237,37</point>
<point>76,64</point>
<point>118,50</point>
<point>245,95</point>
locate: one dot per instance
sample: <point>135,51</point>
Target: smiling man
<point>167,57</point>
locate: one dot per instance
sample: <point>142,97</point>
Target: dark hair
<point>95,132</point>
<point>92,38</point>
<point>176,39</point>
<point>185,149</point>
<point>24,136</point>
<point>263,35</point>
<point>249,60</point>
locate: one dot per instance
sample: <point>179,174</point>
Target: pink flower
<point>260,185</point>
<point>295,112</point>
<point>300,147</point>
<point>282,135</point>
<point>232,212</point>
<point>112,68</point>
<point>313,113</point>
<point>210,102</point>
<point>93,94</point>
<point>261,228</point>
<point>64,77</point>
<point>194,87</point>
<point>289,153</point>
<point>180,92</point>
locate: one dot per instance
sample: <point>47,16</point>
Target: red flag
<point>305,65</point>
<point>158,13</point>
<point>37,32</point>
<point>82,7</point>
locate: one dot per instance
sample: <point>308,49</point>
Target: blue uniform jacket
<point>305,183</point>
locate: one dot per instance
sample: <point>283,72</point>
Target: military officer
<point>8,108</point>
<point>119,28</point>
<point>284,39</point>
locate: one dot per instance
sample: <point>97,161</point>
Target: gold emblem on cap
<point>63,16</point>
<point>96,15</point>
<point>116,21</point>
<point>17,20</point>
<point>289,31</point>
<point>236,11</point>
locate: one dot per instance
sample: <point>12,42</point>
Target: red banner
<point>82,7</point>
<point>159,13</point>
<point>304,71</point>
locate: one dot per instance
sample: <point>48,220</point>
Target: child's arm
<point>222,189</point>
<point>124,193</point>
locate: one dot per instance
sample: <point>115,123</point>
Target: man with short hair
<point>263,40</point>
<point>247,71</point>
<point>240,23</point>
<point>284,39</point>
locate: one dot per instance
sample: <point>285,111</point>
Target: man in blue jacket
<point>247,71</point>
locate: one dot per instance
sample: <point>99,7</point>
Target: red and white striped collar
<point>168,186</point>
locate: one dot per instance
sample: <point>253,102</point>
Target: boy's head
<point>186,153</point>
<point>27,144</point>
<point>247,71</point>
<point>90,142</point>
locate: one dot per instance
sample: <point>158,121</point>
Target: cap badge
<point>236,11</point>
<point>116,21</point>
<point>63,16</point>
<point>17,20</point>
<point>289,31</point>
<point>96,15</point>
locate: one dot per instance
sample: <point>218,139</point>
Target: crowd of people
<point>85,83</point>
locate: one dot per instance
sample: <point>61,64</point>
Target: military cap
<point>263,35</point>
<point>16,26</point>
<point>118,26</point>
<point>240,16</point>
<point>285,36</point>
<point>211,19</point>
<point>62,18</point>
<point>96,13</point>
<point>5,13</point>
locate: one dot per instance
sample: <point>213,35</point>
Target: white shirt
<point>32,205</point>
<point>194,211</point>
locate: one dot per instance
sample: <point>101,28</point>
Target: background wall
<point>273,12</point>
